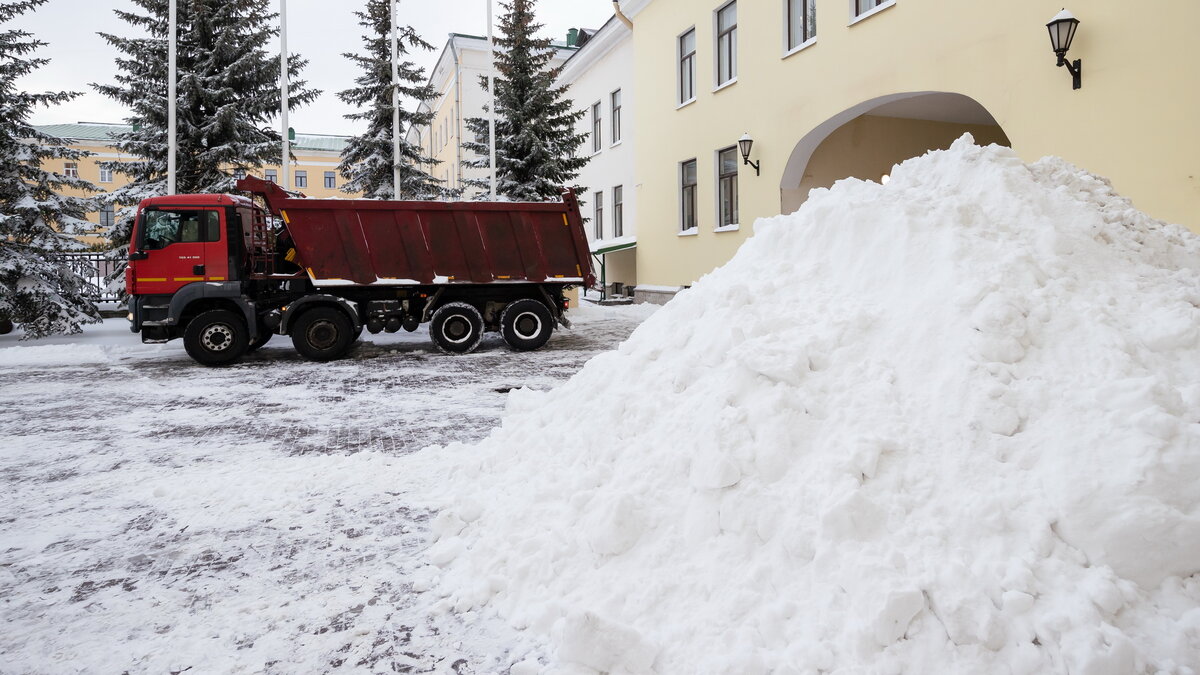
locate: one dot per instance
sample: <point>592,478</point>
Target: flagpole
<point>395,102</point>
<point>172,77</point>
<point>285,166</point>
<point>492,99</point>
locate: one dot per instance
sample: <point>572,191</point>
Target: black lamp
<point>744,144</point>
<point>1062,31</point>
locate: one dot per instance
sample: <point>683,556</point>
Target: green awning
<point>614,248</point>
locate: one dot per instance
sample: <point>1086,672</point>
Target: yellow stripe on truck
<point>189,278</point>
<point>151,279</point>
<point>283,214</point>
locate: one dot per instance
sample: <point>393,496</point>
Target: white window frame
<point>300,178</point>
<point>615,106</point>
<point>106,175</point>
<point>71,169</point>
<point>733,225</point>
<point>679,57</point>
<point>597,128</point>
<point>788,48</point>
<point>618,206</point>
<point>598,215</point>
<point>328,175</point>
<point>684,228</point>
<point>271,175</point>
<point>718,83</point>
<point>855,16</point>
<point>111,211</point>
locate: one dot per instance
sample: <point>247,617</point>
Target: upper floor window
<point>618,211</point>
<point>330,179</point>
<point>596,141</point>
<point>687,66</point>
<point>272,175</point>
<point>106,175</point>
<point>727,43</point>
<point>301,179</point>
<point>863,6</point>
<point>71,169</point>
<point>727,187</point>
<point>687,195</point>
<point>239,173</point>
<point>801,22</point>
<point>616,116</point>
<point>107,215</point>
<point>599,215</point>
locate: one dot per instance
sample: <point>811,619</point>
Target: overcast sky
<point>319,30</point>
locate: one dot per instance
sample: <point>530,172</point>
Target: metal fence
<point>94,267</point>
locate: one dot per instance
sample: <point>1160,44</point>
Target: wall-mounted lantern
<point>1062,31</point>
<point>744,144</point>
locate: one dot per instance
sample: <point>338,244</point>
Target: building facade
<point>460,94</point>
<point>313,171</point>
<point>829,89</point>
<point>600,81</point>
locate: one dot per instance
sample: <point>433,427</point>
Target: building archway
<point>866,140</point>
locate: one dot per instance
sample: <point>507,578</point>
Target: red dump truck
<point>225,274</point>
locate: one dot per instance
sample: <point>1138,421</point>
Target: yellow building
<point>314,169</point>
<point>834,88</point>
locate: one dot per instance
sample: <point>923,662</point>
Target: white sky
<point>318,30</point>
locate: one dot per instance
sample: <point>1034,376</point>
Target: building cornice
<point>608,38</point>
<point>630,8</point>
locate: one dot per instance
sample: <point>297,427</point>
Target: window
<point>301,179</point>
<point>330,179</point>
<point>727,43</point>
<point>801,22</point>
<point>272,176</point>
<point>616,116</point>
<point>71,169</point>
<point>163,228</point>
<point>239,173</point>
<point>107,216</point>
<point>687,66</point>
<point>727,187</point>
<point>596,141</point>
<point>618,211</point>
<point>599,215</point>
<point>687,207</point>
<point>105,175</point>
<point>863,6</point>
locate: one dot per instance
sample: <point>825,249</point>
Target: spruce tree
<point>535,121</point>
<point>228,93</point>
<point>367,159</point>
<point>38,288</point>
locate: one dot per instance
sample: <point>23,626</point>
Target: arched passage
<point>866,140</point>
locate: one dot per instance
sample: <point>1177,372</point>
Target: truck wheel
<point>323,334</point>
<point>456,327</point>
<point>6,326</point>
<point>216,338</point>
<point>526,324</point>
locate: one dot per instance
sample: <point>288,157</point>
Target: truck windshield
<point>164,228</point>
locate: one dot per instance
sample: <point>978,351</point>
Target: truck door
<point>182,245</point>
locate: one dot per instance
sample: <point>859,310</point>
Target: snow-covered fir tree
<point>367,159</point>
<point>535,121</point>
<point>39,290</point>
<point>228,93</point>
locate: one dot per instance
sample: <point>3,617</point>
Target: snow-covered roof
<point>104,132</point>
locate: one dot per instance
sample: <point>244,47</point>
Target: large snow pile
<point>949,424</point>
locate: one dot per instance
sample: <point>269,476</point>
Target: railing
<point>94,267</point>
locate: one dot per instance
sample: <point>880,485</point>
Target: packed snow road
<point>159,516</point>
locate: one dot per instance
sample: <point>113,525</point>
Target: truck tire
<point>323,334</point>
<point>6,326</point>
<point>456,328</point>
<point>526,324</point>
<point>217,337</point>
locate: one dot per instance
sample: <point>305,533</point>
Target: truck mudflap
<point>293,309</point>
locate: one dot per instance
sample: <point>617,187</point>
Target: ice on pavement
<point>949,424</point>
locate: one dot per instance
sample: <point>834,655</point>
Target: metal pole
<point>492,99</point>
<point>285,166</point>
<point>172,77</point>
<point>395,103</point>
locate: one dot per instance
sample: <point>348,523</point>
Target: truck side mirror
<point>138,255</point>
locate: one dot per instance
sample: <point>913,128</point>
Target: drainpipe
<point>620,15</point>
<point>457,112</point>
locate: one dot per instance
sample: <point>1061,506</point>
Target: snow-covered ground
<point>159,516</point>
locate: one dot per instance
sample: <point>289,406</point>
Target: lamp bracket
<point>746,161</point>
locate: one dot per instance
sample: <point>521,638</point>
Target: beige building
<point>314,169</point>
<point>829,89</point>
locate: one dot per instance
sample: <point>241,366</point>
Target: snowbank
<point>950,424</point>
